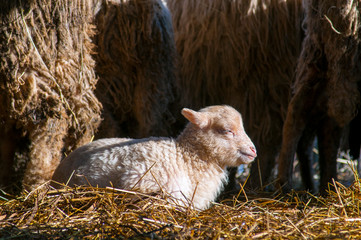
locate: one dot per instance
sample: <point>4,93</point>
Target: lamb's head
<point>218,130</point>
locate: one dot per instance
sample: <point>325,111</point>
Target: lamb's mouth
<point>250,156</point>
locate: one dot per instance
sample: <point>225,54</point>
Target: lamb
<point>191,168</point>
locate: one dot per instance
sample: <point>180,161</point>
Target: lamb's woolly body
<point>147,165</point>
<point>191,168</point>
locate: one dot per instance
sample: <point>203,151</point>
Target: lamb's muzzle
<point>251,155</point>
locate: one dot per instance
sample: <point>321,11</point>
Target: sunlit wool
<point>191,168</point>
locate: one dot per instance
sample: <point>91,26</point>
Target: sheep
<point>242,53</point>
<point>135,62</point>
<point>71,71</point>
<point>47,83</point>
<point>191,167</point>
<point>326,93</point>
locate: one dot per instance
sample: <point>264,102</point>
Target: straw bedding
<point>93,213</point>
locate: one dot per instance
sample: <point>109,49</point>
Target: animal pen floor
<point>93,213</point>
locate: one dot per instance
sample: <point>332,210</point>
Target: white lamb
<point>191,168</point>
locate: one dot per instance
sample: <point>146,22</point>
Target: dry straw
<point>94,213</point>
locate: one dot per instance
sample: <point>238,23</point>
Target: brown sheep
<point>136,68</point>
<point>46,86</point>
<point>241,53</point>
<point>48,80</point>
<point>326,93</point>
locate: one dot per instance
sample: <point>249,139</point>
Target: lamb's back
<point>117,160</point>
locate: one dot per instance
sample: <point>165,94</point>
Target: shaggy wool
<point>47,81</point>
<point>241,53</point>
<point>136,67</point>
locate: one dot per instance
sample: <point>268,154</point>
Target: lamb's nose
<point>253,149</point>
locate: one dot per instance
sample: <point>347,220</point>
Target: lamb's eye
<point>227,132</point>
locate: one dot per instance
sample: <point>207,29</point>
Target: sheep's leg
<point>292,131</point>
<point>47,141</point>
<point>299,113</point>
<point>355,140</point>
<point>305,157</point>
<point>329,136</point>
<point>8,141</point>
<point>305,105</point>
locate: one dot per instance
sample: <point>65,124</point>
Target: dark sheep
<point>136,67</point>
<point>48,85</point>
<point>326,94</point>
<point>47,81</point>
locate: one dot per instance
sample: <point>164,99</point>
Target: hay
<point>93,213</point>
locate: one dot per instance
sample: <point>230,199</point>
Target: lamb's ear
<point>197,118</point>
